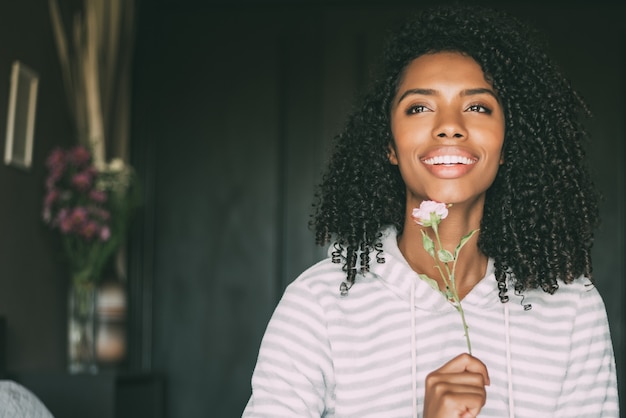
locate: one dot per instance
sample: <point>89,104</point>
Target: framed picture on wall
<point>18,150</point>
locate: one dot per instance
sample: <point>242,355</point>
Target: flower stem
<point>450,283</point>
<point>465,328</point>
<point>436,230</point>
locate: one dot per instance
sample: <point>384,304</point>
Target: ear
<point>393,158</point>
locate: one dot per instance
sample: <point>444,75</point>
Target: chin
<point>457,197</point>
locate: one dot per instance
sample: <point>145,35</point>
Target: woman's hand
<point>456,389</point>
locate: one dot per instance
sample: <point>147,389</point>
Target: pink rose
<point>430,212</point>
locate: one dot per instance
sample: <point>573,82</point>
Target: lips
<point>449,162</point>
<point>449,159</point>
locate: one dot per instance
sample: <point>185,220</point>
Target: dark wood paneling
<point>214,131</point>
<point>33,279</point>
<point>235,108</point>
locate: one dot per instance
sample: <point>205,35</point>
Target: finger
<point>447,400</point>
<point>466,362</point>
<point>461,379</point>
<point>469,401</point>
<point>447,389</point>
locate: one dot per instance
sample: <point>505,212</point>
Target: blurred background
<point>233,107</point>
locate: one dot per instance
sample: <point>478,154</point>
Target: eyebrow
<point>464,93</point>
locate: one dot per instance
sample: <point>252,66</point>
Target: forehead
<point>444,68</point>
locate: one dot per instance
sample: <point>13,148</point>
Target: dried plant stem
<point>91,68</point>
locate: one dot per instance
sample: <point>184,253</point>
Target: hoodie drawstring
<point>413,351</point>
<point>509,371</point>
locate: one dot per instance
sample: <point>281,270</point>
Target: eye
<point>479,108</point>
<point>413,109</point>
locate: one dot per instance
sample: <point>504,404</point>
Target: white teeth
<point>449,159</point>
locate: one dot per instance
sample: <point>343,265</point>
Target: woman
<point>468,111</point>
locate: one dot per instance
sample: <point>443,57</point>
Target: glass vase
<point>81,327</point>
<point>111,324</point>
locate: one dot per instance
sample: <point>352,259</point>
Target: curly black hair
<point>541,211</point>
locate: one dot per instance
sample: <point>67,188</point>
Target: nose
<point>449,125</point>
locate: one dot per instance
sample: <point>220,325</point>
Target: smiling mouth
<point>449,160</point>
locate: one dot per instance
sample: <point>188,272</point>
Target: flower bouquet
<point>91,208</point>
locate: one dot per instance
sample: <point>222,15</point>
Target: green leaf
<point>445,256</point>
<point>431,282</point>
<point>428,243</point>
<point>463,242</point>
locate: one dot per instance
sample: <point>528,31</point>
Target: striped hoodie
<point>327,355</point>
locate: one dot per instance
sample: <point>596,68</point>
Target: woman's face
<point>448,130</point>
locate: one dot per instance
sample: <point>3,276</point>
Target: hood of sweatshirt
<point>399,277</point>
<point>402,280</point>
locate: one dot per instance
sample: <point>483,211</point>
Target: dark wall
<point>32,282</point>
<point>234,108</point>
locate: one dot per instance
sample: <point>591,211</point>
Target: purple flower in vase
<point>56,159</point>
<point>51,197</point>
<point>89,229</point>
<point>79,156</point>
<point>78,204</point>
<point>83,180</point>
<point>64,221</point>
<point>55,175</point>
<point>79,216</point>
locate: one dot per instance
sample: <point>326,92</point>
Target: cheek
<point>498,156</point>
<point>499,151</point>
<point>406,139</point>
<point>403,155</point>
<point>495,142</point>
